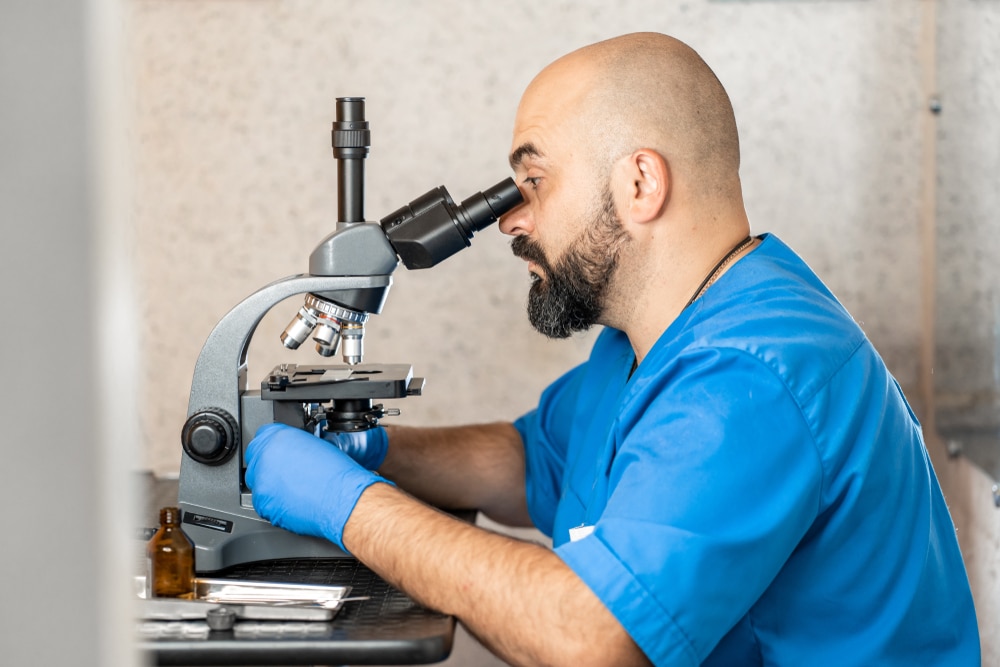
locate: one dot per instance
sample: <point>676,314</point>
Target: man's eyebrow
<point>521,152</point>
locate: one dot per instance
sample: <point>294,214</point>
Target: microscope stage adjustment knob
<point>210,436</point>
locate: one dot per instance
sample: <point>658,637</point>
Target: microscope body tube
<point>351,141</point>
<point>432,228</point>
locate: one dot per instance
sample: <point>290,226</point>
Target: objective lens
<point>327,339</point>
<point>298,329</point>
<point>353,337</point>
<point>327,322</point>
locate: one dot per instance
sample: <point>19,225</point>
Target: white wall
<point>235,182</point>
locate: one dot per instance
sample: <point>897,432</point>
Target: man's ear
<point>646,179</point>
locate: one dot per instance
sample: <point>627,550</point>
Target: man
<point>732,478</point>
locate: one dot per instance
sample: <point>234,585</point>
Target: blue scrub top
<point>759,489</point>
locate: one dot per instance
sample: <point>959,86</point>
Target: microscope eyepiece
<point>432,227</point>
<point>352,138</point>
<point>499,199</point>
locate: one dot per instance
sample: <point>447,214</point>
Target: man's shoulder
<point>772,308</point>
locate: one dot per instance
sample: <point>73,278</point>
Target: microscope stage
<point>292,382</point>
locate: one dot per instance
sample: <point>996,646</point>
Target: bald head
<point>645,90</point>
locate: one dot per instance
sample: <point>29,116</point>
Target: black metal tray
<point>386,629</point>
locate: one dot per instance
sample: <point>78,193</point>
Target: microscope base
<point>222,540</point>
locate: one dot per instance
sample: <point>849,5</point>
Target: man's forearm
<point>461,467</point>
<point>518,598</point>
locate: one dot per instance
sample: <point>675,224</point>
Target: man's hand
<point>367,447</point>
<point>303,484</point>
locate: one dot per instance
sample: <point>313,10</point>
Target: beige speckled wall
<point>967,360</point>
<point>967,374</point>
<point>235,181</point>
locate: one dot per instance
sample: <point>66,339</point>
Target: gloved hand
<point>303,484</point>
<point>366,447</point>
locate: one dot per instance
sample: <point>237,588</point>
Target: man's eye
<point>533,181</point>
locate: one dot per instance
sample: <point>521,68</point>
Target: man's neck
<point>672,282</point>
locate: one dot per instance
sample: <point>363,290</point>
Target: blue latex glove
<point>366,447</point>
<point>303,484</point>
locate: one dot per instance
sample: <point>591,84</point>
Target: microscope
<point>350,273</point>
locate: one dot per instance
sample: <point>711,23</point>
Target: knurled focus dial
<point>210,436</point>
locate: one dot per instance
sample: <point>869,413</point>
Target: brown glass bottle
<point>170,556</point>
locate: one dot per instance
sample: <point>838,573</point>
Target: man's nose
<point>516,221</point>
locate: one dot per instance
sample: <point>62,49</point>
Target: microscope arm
<point>214,384</point>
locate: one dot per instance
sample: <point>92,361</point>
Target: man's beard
<point>571,296</point>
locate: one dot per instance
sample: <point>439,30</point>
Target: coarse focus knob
<point>210,436</point>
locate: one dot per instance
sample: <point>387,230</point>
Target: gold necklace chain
<point>707,282</point>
